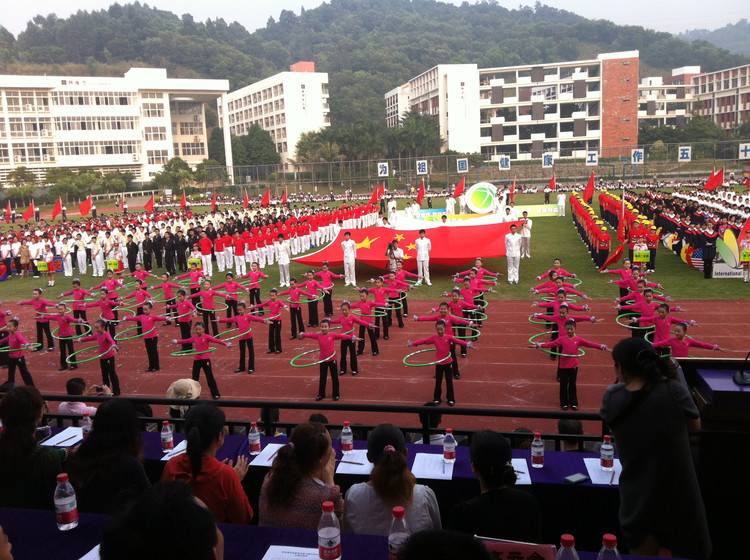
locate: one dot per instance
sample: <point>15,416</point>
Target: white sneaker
<point>429,283</point>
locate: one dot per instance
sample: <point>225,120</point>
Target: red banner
<point>149,207</point>
<point>57,210</point>
<point>266,198</point>
<point>420,196</point>
<point>85,207</point>
<point>29,213</point>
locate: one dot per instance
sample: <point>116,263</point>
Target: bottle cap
<point>537,435</point>
<point>449,430</point>
<point>346,424</point>
<point>609,540</point>
<point>253,424</point>
<point>165,423</point>
<point>62,477</point>
<point>607,438</point>
<point>567,541</point>
<point>398,513</point>
<point>85,414</point>
<point>327,507</point>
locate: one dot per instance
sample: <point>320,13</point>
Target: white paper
<point>92,554</point>
<point>277,552</point>
<point>67,438</point>
<point>357,456</point>
<point>598,476</point>
<point>179,449</point>
<point>431,465</point>
<point>521,466</point>
<point>267,455</point>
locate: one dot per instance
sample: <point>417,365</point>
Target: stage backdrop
<point>450,245</point>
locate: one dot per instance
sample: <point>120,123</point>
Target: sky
<point>673,16</point>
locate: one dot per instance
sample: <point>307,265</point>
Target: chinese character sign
<point>636,156</point>
<point>592,159</point>
<point>684,154</point>
<point>462,165</point>
<point>744,151</point>
<point>504,162</point>
<point>421,167</point>
<point>383,169</point>
<point>548,160</point>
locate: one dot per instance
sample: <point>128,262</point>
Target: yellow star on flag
<point>366,243</point>
<point>408,257</point>
<point>399,237</point>
<point>410,247</point>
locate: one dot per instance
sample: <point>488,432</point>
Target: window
<point>193,149</point>
<point>153,109</point>
<point>191,129</point>
<point>155,133</point>
<point>157,157</point>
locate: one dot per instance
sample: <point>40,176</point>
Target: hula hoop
<point>248,331</point>
<point>321,296</point>
<point>657,292</point>
<point>39,313</point>
<point>476,313</point>
<point>474,336</point>
<point>158,300</point>
<point>29,345</point>
<point>293,361</point>
<point>406,363</point>
<point>192,352</point>
<point>71,337</point>
<point>202,310</point>
<point>393,306</point>
<point>538,322</point>
<point>581,351</point>
<point>129,284</point>
<point>577,281</point>
<point>131,329</point>
<point>187,281</point>
<point>117,321</point>
<point>617,320</point>
<point>76,300</point>
<point>480,302</point>
<point>554,298</point>
<point>378,313</point>
<point>76,362</point>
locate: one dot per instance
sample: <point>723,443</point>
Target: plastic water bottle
<point>398,534</point>
<point>253,439</point>
<point>567,550</point>
<point>86,426</point>
<point>66,508</point>
<point>607,452</point>
<point>347,440</point>
<point>329,534</point>
<point>449,447</point>
<point>167,437</point>
<point>609,548</point>
<point>537,451</point>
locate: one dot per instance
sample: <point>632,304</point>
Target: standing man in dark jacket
<point>131,247</point>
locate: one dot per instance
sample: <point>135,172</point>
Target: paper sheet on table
<point>92,554</point>
<point>267,455</point>
<point>357,456</point>
<point>277,552</point>
<point>521,466</point>
<point>598,476</point>
<point>431,465</point>
<point>67,438</point>
<point>179,449</point>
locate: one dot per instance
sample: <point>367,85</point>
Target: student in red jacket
<point>326,357</point>
<point>107,348</point>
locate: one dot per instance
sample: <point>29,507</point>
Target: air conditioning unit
<point>136,157</point>
<point>196,139</point>
<point>196,118</point>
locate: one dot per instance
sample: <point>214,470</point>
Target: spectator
<point>28,471</point>
<point>570,426</point>
<point>522,438</point>
<point>432,419</point>
<point>76,387</point>
<point>106,469</point>
<point>215,483</point>
<point>300,480</point>
<point>501,511</point>
<point>369,505</point>
<point>442,545</point>
<point>182,389</point>
<point>275,417</point>
<point>167,523</point>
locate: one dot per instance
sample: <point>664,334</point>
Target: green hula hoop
<point>248,331</point>
<point>406,363</point>
<point>474,336</point>
<point>293,361</point>
<point>202,310</point>
<point>478,315</point>
<point>40,313</point>
<point>117,321</point>
<point>77,300</point>
<point>393,306</point>
<point>74,336</point>
<point>321,296</point>
<point>76,362</point>
<point>553,298</point>
<point>187,281</point>
<point>119,338</point>
<point>377,310</point>
<point>129,284</point>
<point>483,303</point>
<point>581,351</point>
<point>619,317</point>
<point>29,345</point>
<point>192,352</point>
<point>657,292</point>
<point>538,322</point>
<point>577,281</point>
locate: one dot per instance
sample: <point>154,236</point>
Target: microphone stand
<point>741,377</point>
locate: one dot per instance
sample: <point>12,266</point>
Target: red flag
<point>513,190</point>
<point>621,225</point>
<point>183,202</point>
<point>283,200</point>
<point>552,185</point>
<point>381,192</point>
<point>614,256</point>
<point>747,183</point>
<point>122,202</point>
<point>213,203</point>
<point>374,197</point>
<point>267,198</point>
<point>150,205</point>
<point>57,210</point>
<point>718,180</point>
<point>246,201</point>
<point>7,214</point>
<point>420,195</point>
<point>459,189</point>
<point>85,207</point>
<point>29,213</point>
<point>588,192</point>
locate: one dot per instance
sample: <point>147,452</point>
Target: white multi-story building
<point>723,96</point>
<point>667,101</point>
<point>287,105</point>
<point>131,124</point>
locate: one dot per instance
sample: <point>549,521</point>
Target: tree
<point>175,174</point>
<point>260,147</point>
<point>21,176</point>
<point>216,145</point>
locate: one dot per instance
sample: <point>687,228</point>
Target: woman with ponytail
<point>369,505</point>
<point>651,416</point>
<point>300,480</point>
<point>501,511</point>
<point>217,484</point>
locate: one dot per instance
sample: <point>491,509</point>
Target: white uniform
<point>424,246</point>
<point>283,254</point>
<point>349,247</point>
<point>560,204</point>
<point>450,205</point>
<point>513,253</point>
<point>526,239</point>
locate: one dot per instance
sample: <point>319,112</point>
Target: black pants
<point>110,327</point>
<point>185,328</point>
<point>296,313</point>
<point>652,259</point>
<point>231,308</point>
<point>312,314</point>
<point>66,349</point>
<point>247,344</point>
<point>80,314</point>
<point>324,368</point>
<point>327,302</point>
<point>377,323</point>
<point>3,343</point>
<point>402,296</point>
<point>43,329</point>
<point>274,336</point>
<point>138,325</point>
<point>169,265</point>
<point>479,300</point>
<point>708,268</point>
<point>109,376</point>
<point>373,340</point>
<point>171,312</point>
<point>152,351</point>
<point>132,262</point>
<point>147,261</point>
<point>211,316</point>
<point>399,318</point>
<point>205,365</point>
<point>21,363</point>
<point>454,363</point>
<point>568,394</point>
<point>194,290</point>
<point>348,346</point>
<point>255,299</point>
<point>638,333</point>
<point>624,292</point>
<point>443,370</point>
<point>157,254</point>
<point>181,262</point>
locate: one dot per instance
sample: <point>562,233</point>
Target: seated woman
<point>107,470</point>
<point>215,483</point>
<point>28,472</point>
<point>501,511</point>
<point>369,505</point>
<point>300,480</point>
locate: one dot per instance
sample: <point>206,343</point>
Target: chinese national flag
<point>283,200</point>
<point>374,197</point>
<point>513,190</point>
<point>246,202</point>
<point>614,256</point>
<point>57,210</point>
<point>552,184</point>
<point>29,213</point>
<point>85,207</point>
<point>150,205</point>
<point>588,192</point>
<point>621,225</point>
<point>266,198</point>
<point>213,203</point>
<point>459,189</point>
<point>183,202</point>
<point>420,195</point>
<point>7,214</point>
